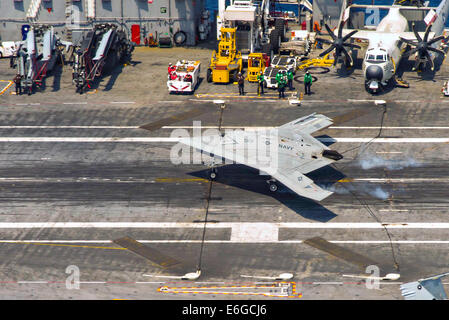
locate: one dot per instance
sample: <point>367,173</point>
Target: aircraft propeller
<point>422,47</point>
<point>338,44</point>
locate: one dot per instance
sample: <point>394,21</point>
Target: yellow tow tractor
<point>227,62</point>
<point>317,62</point>
<point>257,62</point>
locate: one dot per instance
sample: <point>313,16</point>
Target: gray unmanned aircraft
<point>285,153</point>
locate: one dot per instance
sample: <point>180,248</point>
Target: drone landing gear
<point>213,173</point>
<point>272,185</point>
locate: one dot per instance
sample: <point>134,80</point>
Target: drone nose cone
<point>374,73</point>
<point>332,154</point>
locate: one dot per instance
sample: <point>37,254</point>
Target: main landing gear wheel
<point>273,187</point>
<point>213,174</point>
<point>272,184</point>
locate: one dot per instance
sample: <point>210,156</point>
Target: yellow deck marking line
<point>7,86</point>
<point>295,294</point>
<point>61,245</point>
<point>181,180</point>
<point>346,180</point>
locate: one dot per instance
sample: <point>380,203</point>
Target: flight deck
<point>77,174</point>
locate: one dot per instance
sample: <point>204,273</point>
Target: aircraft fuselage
<point>384,51</point>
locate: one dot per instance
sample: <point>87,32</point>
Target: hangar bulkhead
<point>71,18</point>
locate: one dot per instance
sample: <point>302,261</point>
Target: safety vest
<point>307,78</point>
<point>280,80</point>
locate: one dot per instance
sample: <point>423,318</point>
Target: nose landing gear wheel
<point>273,187</point>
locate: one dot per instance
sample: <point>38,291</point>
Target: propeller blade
<point>332,47</point>
<point>437,51</point>
<point>330,31</point>
<point>410,42</point>
<point>340,28</point>
<point>335,61</point>
<point>338,51</point>
<point>351,45</point>
<point>348,57</point>
<point>436,39</point>
<point>410,52</point>
<point>324,40</point>
<point>430,60</point>
<point>418,37</point>
<point>426,34</point>
<point>350,34</point>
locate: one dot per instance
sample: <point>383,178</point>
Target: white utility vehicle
<point>184,77</point>
<point>287,62</point>
<point>7,49</point>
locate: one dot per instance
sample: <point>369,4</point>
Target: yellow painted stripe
<point>62,245</point>
<point>346,180</point>
<point>188,290</point>
<point>7,86</point>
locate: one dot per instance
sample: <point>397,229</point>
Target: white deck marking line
<point>386,140</point>
<point>393,128</point>
<point>262,232</point>
<point>71,180</point>
<point>387,152</point>
<point>230,283</point>
<point>339,101</point>
<point>74,103</point>
<point>174,139</point>
<point>331,127</point>
<point>218,225</point>
<point>123,102</point>
<point>205,127</point>
<point>244,241</point>
<point>88,139</point>
<point>69,127</point>
<point>398,180</point>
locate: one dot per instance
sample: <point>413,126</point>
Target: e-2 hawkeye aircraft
<point>293,152</point>
<point>389,42</point>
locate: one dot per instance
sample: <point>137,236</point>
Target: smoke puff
<point>369,161</point>
<point>376,192</point>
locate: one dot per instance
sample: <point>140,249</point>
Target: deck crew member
<point>241,83</point>
<point>260,83</point>
<point>17,80</point>
<point>307,82</point>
